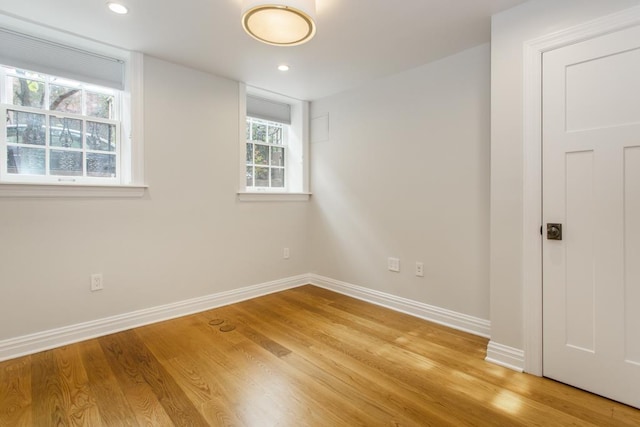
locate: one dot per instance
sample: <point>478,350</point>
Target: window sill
<point>74,191</point>
<point>273,197</point>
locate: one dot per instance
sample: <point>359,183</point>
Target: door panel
<point>580,281</point>
<point>610,104</point>
<point>591,184</point>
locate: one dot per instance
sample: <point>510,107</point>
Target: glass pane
<point>277,177</point>
<point>26,160</point>
<point>101,136</point>
<point>262,154</point>
<point>275,135</point>
<point>259,131</point>
<point>99,105</point>
<point>262,177</point>
<point>28,93</point>
<point>25,128</point>
<point>66,163</point>
<point>249,153</point>
<point>65,132</point>
<point>249,176</point>
<point>102,165</point>
<point>248,137</point>
<point>65,99</point>
<point>277,156</point>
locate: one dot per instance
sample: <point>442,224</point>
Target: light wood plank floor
<point>303,357</point>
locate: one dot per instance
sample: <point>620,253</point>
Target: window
<point>58,130</point>
<point>71,111</point>
<point>266,154</point>
<point>274,143</point>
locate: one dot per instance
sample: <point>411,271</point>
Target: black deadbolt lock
<point>554,231</point>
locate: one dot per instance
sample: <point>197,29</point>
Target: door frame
<point>532,174</point>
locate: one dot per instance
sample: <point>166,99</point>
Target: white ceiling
<point>357,40</point>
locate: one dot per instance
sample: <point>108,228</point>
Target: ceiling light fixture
<point>283,67</point>
<point>279,23</point>
<point>118,8</point>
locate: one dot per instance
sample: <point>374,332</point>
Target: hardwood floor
<point>303,357</point>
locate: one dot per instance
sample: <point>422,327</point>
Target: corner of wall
<point>505,356</point>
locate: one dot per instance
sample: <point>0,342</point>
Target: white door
<point>591,185</point>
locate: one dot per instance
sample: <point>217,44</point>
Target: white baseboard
<point>45,340</point>
<point>452,319</point>
<point>33,343</point>
<point>509,357</point>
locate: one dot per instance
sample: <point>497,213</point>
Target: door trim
<point>532,174</point>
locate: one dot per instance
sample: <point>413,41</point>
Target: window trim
<point>48,178</point>
<point>299,126</point>
<point>269,166</point>
<point>27,190</point>
<point>132,182</point>
<point>271,196</point>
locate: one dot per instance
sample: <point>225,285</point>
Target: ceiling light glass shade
<point>284,23</point>
<point>118,8</point>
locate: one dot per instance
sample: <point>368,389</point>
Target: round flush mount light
<point>284,23</point>
<point>283,67</point>
<point>118,8</point>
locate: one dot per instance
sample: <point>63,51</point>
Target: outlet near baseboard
<point>419,269</point>
<point>393,264</point>
<point>97,283</point>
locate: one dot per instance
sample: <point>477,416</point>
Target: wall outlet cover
<point>393,264</point>
<point>97,283</point>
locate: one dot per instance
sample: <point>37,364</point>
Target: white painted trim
<point>297,157</point>
<point>136,139</point>
<point>23,190</point>
<point>452,319</point>
<point>33,343</point>
<point>40,341</point>
<point>242,137</point>
<point>273,197</point>
<point>506,356</point>
<point>131,161</point>
<point>532,187</point>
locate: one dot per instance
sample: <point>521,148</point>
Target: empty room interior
<point>320,212</point>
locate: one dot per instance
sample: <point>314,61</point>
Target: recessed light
<point>118,8</point>
<point>283,67</point>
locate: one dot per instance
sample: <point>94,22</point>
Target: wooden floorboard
<point>302,357</point>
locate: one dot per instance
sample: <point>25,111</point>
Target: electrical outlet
<point>285,253</point>
<point>393,264</point>
<point>96,282</point>
<point>419,269</point>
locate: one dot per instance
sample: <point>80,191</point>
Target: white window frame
<point>284,146</point>
<point>131,158</point>
<point>49,80</point>
<point>297,151</point>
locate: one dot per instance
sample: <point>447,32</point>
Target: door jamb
<point>532,179</point>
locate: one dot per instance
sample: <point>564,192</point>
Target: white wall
<point>187,237</point>
<point>510,29</point>
<point>405,173</point>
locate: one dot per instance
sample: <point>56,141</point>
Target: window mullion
<point>253,164</point>
<point>47,93</point>
<point>269,158</point>
<point>47,145</point>
<point>83,132</point>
